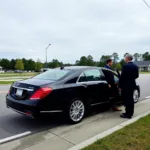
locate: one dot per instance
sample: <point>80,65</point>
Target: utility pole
<point>46,53</point>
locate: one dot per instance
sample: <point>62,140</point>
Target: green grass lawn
<point>17,74</point>
<point>145,72</point>
<point>10,76</point>
<point>6,82</point>
<point>133,137</point>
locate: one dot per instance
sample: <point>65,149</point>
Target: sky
<point>73,28</point>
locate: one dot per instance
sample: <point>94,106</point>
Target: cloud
<point>74,28</point>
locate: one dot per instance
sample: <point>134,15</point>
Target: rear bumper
<point>25,107</point>
<point>31,108</point>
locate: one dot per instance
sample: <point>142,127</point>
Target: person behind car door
<point>128,84</point>
<point>111,84</point>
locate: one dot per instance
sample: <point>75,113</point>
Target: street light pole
<point>46,53</point>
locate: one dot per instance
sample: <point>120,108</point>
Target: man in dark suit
<point>128,84</point>
<point>113,91</point>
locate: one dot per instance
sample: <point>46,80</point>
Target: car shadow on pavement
<point>15,123</point>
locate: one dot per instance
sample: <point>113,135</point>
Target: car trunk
<point>23,90</point>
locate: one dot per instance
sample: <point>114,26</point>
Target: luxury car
<point>71,90</point>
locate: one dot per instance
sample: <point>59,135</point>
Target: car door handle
<point>84,85</point>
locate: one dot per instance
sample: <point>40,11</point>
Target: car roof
<point>84,68</point>
<point>78,67</point>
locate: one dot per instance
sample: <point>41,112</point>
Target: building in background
<point>143,65</point>
<point>1,70</point>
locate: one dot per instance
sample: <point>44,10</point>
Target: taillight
<point>41,93</point>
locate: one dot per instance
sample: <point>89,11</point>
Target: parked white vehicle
<point>1,70</point>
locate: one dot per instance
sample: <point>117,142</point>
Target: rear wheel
<point>76,111</point>
<point>136,96</point>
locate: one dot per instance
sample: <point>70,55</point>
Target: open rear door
<point>118,73</point>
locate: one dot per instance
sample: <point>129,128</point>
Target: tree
<point>83,61</point>
<point>12,64</point>
<point>67,64</point>
<point>146,56</point>
<point>122,62</point>
<point>30,64</point>
<point>38,65</point>
<point>140,57</point>
<point>25,62</point>
<point>103,60</point>
<point>118,66</point>
<point>125,54</point>
<point>90,61</point>
<point>5,63</point>
<point>115,57</point>
<point>19,64</point>
<point>54,64</point>
<point>136,56</point>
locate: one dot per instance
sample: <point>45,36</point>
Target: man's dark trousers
<point>127,95</point>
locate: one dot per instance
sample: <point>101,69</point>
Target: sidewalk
<point>67,136</point>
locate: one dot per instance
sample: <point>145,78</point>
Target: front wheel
<point>76,111</point>
<point>136,96</point>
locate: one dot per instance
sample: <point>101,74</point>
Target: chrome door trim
<point>90,82</point>
<point>99,103</point>
<point>52,111</point>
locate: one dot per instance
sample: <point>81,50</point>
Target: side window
<point>116,79</point>
<point>110,76</point>
<point>93,75</point>
<point>82,78</point>
<point>73,80</point>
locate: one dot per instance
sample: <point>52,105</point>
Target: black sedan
<point>71,90</point>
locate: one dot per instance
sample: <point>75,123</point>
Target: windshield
<point>52,75</point>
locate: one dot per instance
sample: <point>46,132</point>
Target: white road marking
<point>147,97</point>
<point>11,138</point>
<point>3,92</point>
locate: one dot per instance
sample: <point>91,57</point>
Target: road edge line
<point>108,132</point>
<point>14,137</point>
<point>147,97</point>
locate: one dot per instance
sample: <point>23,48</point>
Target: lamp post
<point>46,53</point>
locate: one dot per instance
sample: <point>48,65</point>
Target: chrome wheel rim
<point>77,110</point>
<point>136,96</point>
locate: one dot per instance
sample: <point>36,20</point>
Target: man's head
<point>109,62</point>
<point>128,58</point>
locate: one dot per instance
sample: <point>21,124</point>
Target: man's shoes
<point>125,116</point>
<point>116,109</point>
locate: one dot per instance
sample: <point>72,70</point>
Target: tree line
<point>29,64</point>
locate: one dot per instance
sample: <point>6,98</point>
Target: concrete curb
<point>108,132</point>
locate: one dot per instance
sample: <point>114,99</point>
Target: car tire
<point>136,95</point>
<point>76,111</point>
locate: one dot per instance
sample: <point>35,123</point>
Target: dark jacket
<point>108,67</point>
<point>109,76</point>
<point>128,76</point>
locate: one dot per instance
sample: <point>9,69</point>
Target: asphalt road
<point>12,123</point>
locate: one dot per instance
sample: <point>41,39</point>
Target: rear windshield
<point>52,74</point>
